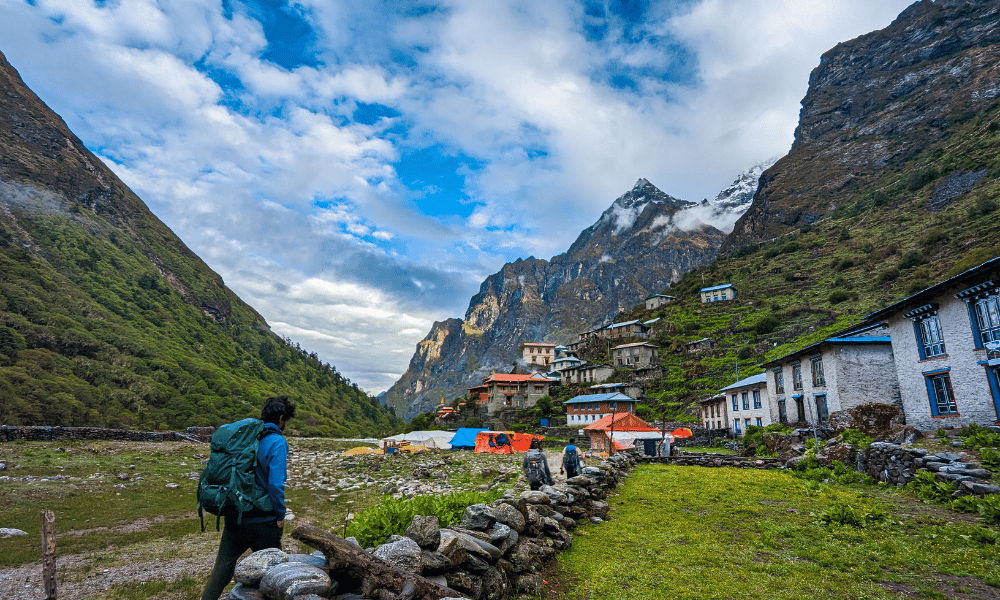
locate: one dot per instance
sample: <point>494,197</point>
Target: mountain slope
<point>108,319</point>
<point>638,246</point>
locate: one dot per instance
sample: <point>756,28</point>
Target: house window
<point>612,406</point>
<point>941,396</point>
<point>797,376</point>
<point>759,422</point>
<point>817,372</point>
<point>800,408</point>
<point>988,317</point>
<point>930,341</point>
<point>736,405</point>
<point>756,398</point>
<point>746,422</point>
<point>746,401</point>
<point>779,381</point>
<point>782,411</point>
<point>736,426</point>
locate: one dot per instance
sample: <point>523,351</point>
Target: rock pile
<point>718,460</point>
<point>495,552</point>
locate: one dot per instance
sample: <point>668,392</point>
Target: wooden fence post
<point>49,554</point>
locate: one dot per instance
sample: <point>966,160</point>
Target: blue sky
<point>354,170</point>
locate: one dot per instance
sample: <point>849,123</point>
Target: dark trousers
<point>237,539</point>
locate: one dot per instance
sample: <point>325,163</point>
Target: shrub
<point>912,258</point>
<point>766,325</point>
<point>393,515</point>
<point>985,535</point>
<point>919,179</point>
<point>990,457</point>
<point>981,437</point>
<point>935,236</point>
<point>989,508</point>
<point>838,296</point>
<point>856,438</point>
<point>982,207</point>
<point>843,513</point>
<point>888,275</point>
<point>965,504</point>
<point>929,490</point>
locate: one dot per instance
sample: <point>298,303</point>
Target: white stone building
<point>747,404</point>
<point>852,367</point>
<point>946,342</point>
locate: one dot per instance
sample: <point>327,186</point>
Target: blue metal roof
<point>717,287</point>
<point>748,381</point>
<point>934,289</point>
<point>811,348</point>
<point>616,396</point>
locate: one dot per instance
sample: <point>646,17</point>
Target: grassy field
<point>690,532</point>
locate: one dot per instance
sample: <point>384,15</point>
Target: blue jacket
<point>270,473</point>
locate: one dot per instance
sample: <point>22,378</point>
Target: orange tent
<point>681,432</point>
<point>504,442</point>
<point>522,441</point>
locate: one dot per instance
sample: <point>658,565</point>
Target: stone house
<point>718,293</point>
<point>585,373</point>
<point>946,343</point>
<point>502,391</point>
<point>634,389</point>
<point>566,362</point>
<point>654,301</point>
<point>852,367</point>
<point>538,353</point>
<point>635,355</point>
<point>713,412</point>
<point>748,404</point>
<point>702,345</point>
<point>589,408</point>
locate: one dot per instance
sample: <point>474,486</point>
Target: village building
<point>502,391</point>
<point>946,344</point>
<point>634,328</point>
<point>748,403</point>
<point>599,433</point>
<point>538,353</point>
<point>566,362</point>
<point>589,408</point>
<point>585,373</point>
<point>636,355</point>
<point>654,301</point>
<point>851,368</point>
<point>713,412</point>
<point>718,293</point>
<point>702,345</point>
<point>633,389</point>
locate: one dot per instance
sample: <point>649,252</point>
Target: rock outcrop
<point>874,104</point>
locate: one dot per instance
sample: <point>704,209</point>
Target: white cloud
<point>299,207</point>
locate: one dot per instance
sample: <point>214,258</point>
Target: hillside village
<point>935,355</point>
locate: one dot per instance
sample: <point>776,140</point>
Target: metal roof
<point>812,348</point>
<point>935,289</point>
<point>748,381</point>
<point>717,287</point>
<point>615,396</point>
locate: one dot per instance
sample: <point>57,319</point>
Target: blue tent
<point>465,438</point>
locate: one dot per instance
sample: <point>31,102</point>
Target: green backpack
<point>227,485</point>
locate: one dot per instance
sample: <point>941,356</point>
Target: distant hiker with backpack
<point>571,463</point>
<point>251,523</point>
<point>536,468</point>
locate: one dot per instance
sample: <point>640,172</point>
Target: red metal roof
<point>508,378</point>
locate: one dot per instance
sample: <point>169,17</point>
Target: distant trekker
<point>571,463</point>
<point>536,468</point>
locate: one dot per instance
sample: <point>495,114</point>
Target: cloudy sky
<point>355,169</point>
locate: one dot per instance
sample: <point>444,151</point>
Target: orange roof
<point>623,422</point>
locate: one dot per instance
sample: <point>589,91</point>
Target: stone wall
<point>498,550</point>
<point>10,433</point>
<point>717,460</point>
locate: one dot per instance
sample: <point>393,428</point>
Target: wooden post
<point>49,554</point>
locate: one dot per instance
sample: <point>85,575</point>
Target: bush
<point>843,513</point>
<point>912,258</point>
<point>980,437</point>
<point>919,179</point>
<point>990,457</point>
<point>766,325</point>
<point>856,438</point>
<point>838,296</point>
<point>965,504</point>
<point>989,508</point>
<point>393,515</point>
<point>929,490</point>
<point>888,275</point>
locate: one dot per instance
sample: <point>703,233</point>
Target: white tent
<point>627,439</point>
<point>438,440</point>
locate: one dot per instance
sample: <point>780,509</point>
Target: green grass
<point>689,532</point>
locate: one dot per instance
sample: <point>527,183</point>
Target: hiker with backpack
<point>536,467</point>
<point>253,507</point>
<point>571,463</point>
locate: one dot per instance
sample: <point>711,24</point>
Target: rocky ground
<point>323,487</point>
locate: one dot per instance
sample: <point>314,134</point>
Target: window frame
<point>797,376</point>
<point>988,307</point>
<point>782,410</point>
<point>779,381</point>
<point>746,400</point>
<point>816,367</point>
<point>943,377</point>
<point>755,393</point>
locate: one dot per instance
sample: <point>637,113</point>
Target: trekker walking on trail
<point>257,529</point>
<point>536,468</point>
<point>571,463</point>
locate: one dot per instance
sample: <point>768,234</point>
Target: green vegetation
<point>106,324</point>
<point>393,515</point>
<point>687,532</point>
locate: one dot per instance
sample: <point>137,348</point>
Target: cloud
<point>269,169</point>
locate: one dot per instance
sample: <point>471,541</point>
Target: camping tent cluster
<point>466,438</point>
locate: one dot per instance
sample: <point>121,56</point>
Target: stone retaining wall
<point>38,433</point>
<point>717,460</point>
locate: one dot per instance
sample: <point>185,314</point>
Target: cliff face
<point>636,248</point>
<point>874,104</point>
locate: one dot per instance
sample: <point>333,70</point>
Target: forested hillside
<point>108,319</point>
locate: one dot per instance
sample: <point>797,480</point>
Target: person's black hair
<point>572,440</point>
<point>275,408</point>
<point>536,444</point>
